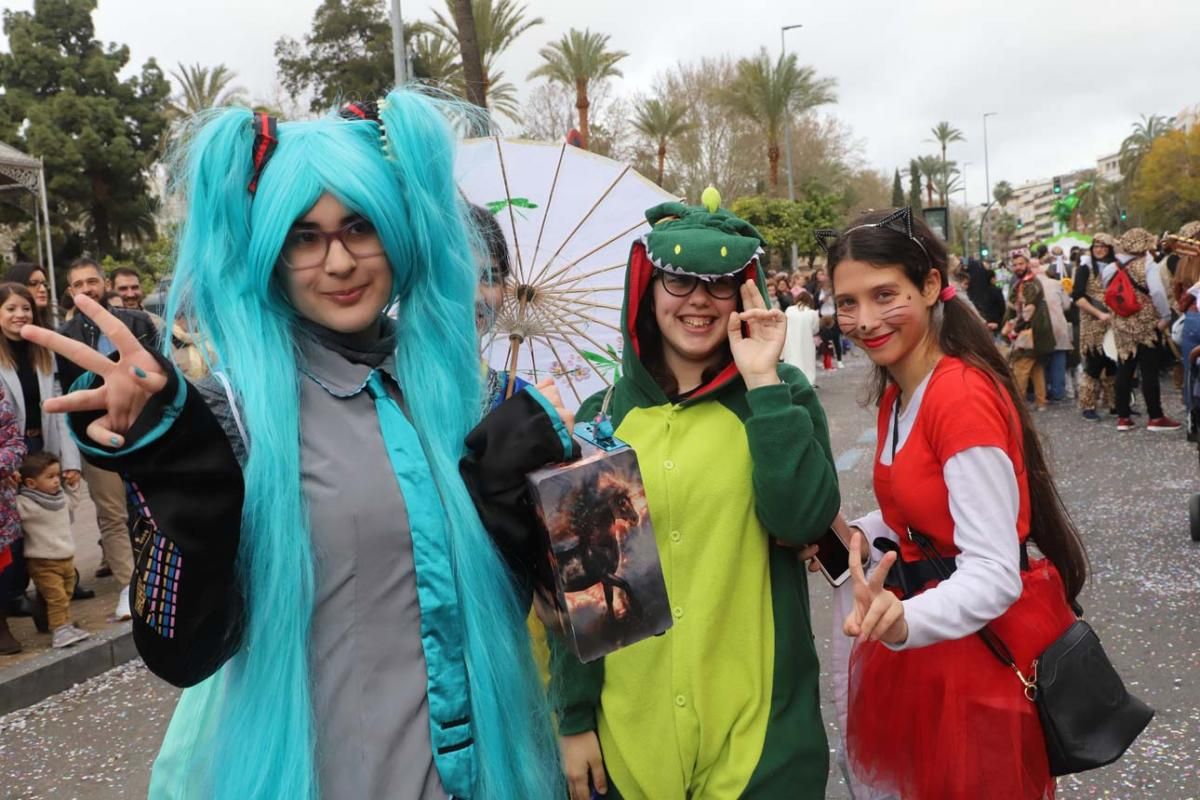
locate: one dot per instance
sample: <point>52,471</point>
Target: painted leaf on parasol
<point>569,218</point>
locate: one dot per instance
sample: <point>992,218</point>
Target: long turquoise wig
<point>248,732</point>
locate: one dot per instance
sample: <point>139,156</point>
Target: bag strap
<point>994,643</point>
<point>1143,289</point>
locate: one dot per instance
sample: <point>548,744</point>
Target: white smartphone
<point>833,557</point>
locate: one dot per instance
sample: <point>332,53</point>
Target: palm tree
<point>944,134</point>
<point>202,87</point>
<point>434,58</point>
<point>498,23</point>
<point>661,121</point>
<point>468,45</point>
<point>1138,143</point>
<point>1002,193</point>
<point>576,60</point>
<point>931,168</point>
<point>770,94</point>
<point>946,181</point>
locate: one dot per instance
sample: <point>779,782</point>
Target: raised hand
<point>129,382</point>
<point>878,615</point>
<point>549,390</point>
<point>757,354</point>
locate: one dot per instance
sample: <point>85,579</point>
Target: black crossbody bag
<point>1088,718</point>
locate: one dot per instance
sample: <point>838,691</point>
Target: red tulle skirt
<point>951,721</point>
<point>5,558</point>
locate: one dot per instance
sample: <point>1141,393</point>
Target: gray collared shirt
<point>368,667</point>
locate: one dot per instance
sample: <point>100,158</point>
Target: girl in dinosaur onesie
<point>735,456</point>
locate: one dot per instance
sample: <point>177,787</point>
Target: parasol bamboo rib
<point>582,290</point>
<point>575,310</point>
<point>582,355</point>
<point>562,301</point>
<point>588,317</point>
<point>566,375</point>
<point>567,267</point>
<point>563,321</point>
<point>574,279</point>
<point>512,217</point>
<point>549,200</point>
<point>586,216</point>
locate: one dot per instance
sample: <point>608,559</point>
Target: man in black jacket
<point>85,276</point>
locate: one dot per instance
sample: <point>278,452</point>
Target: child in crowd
<point>49,546</point>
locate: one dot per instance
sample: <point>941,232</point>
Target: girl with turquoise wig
<point>311,562</point>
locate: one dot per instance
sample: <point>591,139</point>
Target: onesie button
<point>676,536</point>
<point>680,700</point>
<point>668,464</point>
<point>678,612</point>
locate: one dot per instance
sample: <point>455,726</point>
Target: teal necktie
<point>442,635</point>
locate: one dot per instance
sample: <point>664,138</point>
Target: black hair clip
<point>899,221</point>
<point>266,136</point>
<point>825,238</point>
<point>367,110</point>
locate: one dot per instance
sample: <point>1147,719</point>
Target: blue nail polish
<point>141,373</point>
<point>114,441</point>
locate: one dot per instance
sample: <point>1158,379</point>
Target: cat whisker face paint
<point>880,310</point>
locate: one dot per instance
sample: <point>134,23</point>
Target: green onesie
<point>725,704</point>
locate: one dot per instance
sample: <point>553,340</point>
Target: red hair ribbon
<point>948,294</point>
<point>265,139</point>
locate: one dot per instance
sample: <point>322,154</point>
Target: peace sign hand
<point>878,615</point>
<point>129,382</point>
<point>757,355</point>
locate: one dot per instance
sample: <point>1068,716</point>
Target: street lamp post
<point>967,203</point>
<point>787,130</point>
<point>399,51</point>
<point>987,175</point>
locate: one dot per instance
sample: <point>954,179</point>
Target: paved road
<point>1128,494</point>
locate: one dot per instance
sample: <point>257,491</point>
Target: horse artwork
<point>608,578</point>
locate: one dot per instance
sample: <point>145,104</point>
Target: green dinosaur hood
<point>688,240</point>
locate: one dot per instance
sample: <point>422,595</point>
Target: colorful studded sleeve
<point>185,485</point>
<point>12,451</point>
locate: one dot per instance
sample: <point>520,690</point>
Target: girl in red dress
<point>933,713</point>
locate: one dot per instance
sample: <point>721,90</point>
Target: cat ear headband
<point>899,221</point>
<point>266,134</point>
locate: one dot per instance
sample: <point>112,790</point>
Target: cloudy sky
<point>1067,78</point>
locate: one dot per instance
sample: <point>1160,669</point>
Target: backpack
<point>1121,297</point>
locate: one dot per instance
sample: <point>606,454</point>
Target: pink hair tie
<point>948,294</point>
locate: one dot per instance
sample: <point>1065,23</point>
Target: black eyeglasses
<point>678,285</point>
<point>306,248</point>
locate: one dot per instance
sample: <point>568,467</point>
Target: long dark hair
<point>40,356</point>
<point>961,334</point>
<point>21,272</point>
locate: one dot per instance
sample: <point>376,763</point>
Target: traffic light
<point>1058,185</point>
<point>1020,224</point>
<point>983,252</point>
<point>1124,216</point>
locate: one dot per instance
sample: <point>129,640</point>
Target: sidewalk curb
<point>57,670</point>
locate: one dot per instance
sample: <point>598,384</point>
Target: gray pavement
<point>1128,494</point>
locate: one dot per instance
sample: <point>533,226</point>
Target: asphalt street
<point>1128,493</point>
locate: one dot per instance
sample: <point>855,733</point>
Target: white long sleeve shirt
<point>984,504</point>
